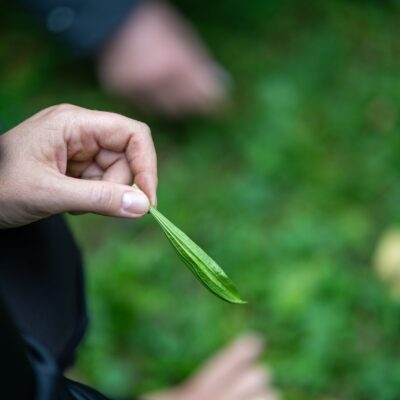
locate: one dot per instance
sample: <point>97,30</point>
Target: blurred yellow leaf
<point>386,260</point>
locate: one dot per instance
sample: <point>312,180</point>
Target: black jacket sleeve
<point>84,25</point>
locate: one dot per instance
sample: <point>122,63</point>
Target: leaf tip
<point>234,300</point>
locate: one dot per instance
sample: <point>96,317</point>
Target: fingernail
<point>135,203</point>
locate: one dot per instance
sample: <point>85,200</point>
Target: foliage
<point>199,263</point>
<point>300,177</point>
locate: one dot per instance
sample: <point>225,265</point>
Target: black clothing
<point>28,371</point>
<point>42,312</point>
<point>14,366</point>
<point>41,282</point>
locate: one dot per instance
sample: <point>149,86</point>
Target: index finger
<point>117,133</point>
<point>142,159</point>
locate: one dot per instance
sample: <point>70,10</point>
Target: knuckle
<point>63,108</point>
<point>102,195</point>
<point>144,129</point>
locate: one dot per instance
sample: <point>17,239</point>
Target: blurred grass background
<point>290,191</point>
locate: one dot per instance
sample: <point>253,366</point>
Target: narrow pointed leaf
<point>198,262</point>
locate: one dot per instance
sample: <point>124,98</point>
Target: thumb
<point>99,197</point>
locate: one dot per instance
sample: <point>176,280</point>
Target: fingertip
<point>153,200</point>
<point>252,338</point>
<point>148,185</point>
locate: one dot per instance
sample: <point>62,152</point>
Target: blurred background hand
<point>157,61</point>
<point>65,159</point>
<point>234,373</point>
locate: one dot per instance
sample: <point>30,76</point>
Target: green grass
<point>289,191</point>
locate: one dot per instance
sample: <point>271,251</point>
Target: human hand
<point>157,61</point>
<point>70,159</point>
<point>232,374</point>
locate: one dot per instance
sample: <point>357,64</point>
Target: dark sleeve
<point>29,372</point>
<point>84,25</point>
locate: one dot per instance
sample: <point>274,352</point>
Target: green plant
<point>198,261</point>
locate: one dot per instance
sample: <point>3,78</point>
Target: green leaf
<point>200,263</point>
